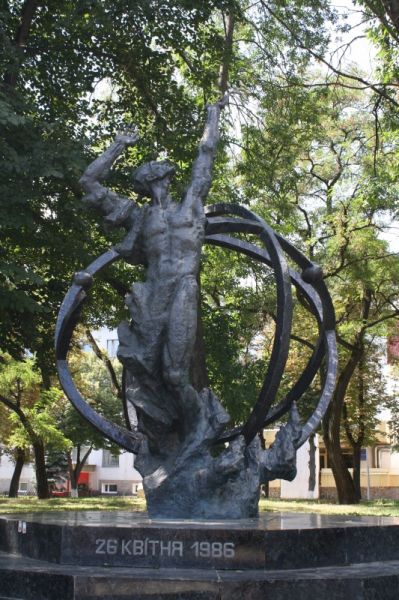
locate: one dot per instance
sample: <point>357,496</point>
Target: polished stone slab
<point>265,521</point>
<point>274,541</point>
<point>28,579</point>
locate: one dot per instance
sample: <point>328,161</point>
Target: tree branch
<point>378,90</point>
<point>227,52</point>
<point>297,338</point>
<point>22,417</point>
<point>381,320</point>
<point>27,13</point>
<point>106,361</point>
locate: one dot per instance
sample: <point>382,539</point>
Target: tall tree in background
<point>49,113</point>
<point>317,180</point>
<point>93,380</point>
<point>31,413</point>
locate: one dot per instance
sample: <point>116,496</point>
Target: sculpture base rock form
<point>199,479</point>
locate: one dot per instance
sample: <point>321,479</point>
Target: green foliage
<point>19,380</point>
<point>233,311</point>
<point>93,382</point>
<point>34,413</point>
<point>43,423</point>
<point>50,115</point>
<point>312,164</point>
<point>31,413</point>
<point>157,65</point>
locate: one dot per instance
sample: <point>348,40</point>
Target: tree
<point>17,455</point>
<point>366,394</point>
<point>332,202</point>
<point>98,388</point>
<point>50,115</point>
<point>30,412</point>
<point>50,119</point>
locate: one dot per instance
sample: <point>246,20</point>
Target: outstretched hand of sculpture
<point>192,465</point>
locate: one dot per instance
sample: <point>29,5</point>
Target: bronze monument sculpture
<point>192,465</point>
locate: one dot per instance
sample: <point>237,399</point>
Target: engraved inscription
<point>160,548</point>
<point>213,550</point>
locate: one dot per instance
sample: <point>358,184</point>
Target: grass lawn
<point>30,504</point>
<point>380,508</point>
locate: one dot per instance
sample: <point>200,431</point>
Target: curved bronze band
<point>263,412</point>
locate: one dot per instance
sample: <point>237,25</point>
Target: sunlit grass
<point>32,504</point>
<point>385,508</point>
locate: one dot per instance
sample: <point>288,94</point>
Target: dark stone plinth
<point>131,539</point>
<point>29,579</point>
<point>279,556</point>
<point>274,541</point>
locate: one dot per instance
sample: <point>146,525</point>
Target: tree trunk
<point>19,463</point>
<point>74,484</point>
<point>72,477</point>
<point>27,14</point>
<point>40,468</point>
<point>356,470</point>
<point>331,435</point>
<point>74,472</point>
<point>343,480</point>
<point>312,464</point>
<point>198,370</point>
<point>332,428</point>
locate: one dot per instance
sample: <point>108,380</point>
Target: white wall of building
<point>27,481</point>
<point>299,487</point>
<point>394,462</point>
<point>124,476</point>
<point>107,339</point>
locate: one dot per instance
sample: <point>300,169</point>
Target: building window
<point>23,487</point>
<point>384,457</point>
<point>112,347</point>
<point>323,460</point>
<point>109,488</point>
<point>110,460</point>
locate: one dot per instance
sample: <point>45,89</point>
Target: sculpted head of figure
<point>152,179</point>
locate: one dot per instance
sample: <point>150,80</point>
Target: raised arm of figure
<point>201,177</point>
<point>115,208</point>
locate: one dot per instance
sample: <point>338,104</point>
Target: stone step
<point>28,579</point>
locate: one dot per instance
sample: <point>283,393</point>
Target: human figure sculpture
<point>192,465</point>
<point>156,346</point>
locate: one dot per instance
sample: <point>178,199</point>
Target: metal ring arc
<point>263,412</point>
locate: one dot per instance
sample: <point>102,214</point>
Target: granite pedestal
<point>119,555</point>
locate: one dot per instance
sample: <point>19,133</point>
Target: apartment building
<point>104,473</point>
<point>379,471</point>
